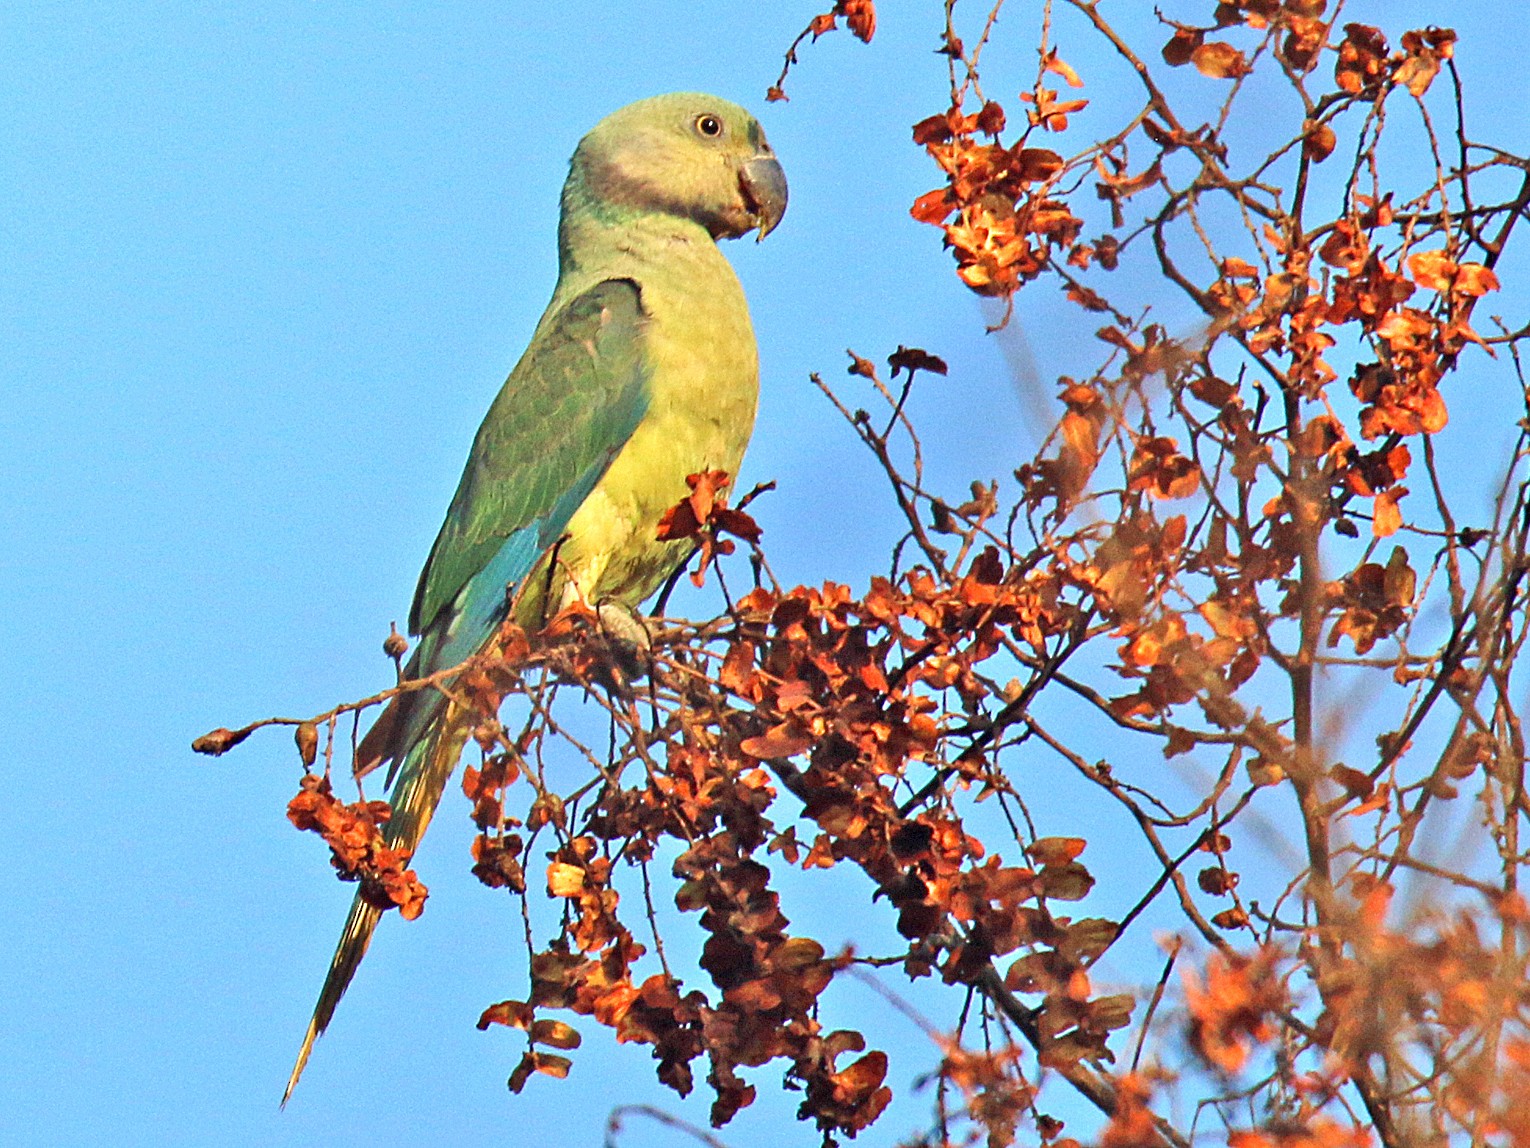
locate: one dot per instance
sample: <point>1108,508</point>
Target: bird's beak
<point>764,186</point>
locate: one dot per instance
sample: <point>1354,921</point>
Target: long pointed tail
<point>354,939</point>
<point>422,777</point>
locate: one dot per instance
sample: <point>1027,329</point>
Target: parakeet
<point>642,370</point>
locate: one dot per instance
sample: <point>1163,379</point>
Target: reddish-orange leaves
<point>1373,601</point>
<point>1437,271</point>
<point>353,834</point>
<point>1423,54</point>
<point>1362,62</point>
<point>395,885</point>
<point>349,830</point>
<point>830,726</point>
<point>850,1099</point>
<point>1005,225</point>
<point>515,1014</point>
<point>1404,404</point>
<point>1159,468</point>
<point>860,16</point>
<point>703,506</point>
<point>1365,69</point>
<point>496,862</point>
<point>704,514</point>
<point>485,788</point>
<point>1047,111</point>
<point>549,1064</point>
<point>1235,1008</point>
<point>934,206</point>
<point>1346,247</point>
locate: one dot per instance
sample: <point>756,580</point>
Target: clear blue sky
<point>262,267</point>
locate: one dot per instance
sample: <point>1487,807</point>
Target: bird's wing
<point>566,411</point>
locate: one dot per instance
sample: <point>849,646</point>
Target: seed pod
<point>307,738</point>
<point>395,645</point>
<point>219,741</point>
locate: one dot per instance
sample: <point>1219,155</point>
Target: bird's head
<point>689,155</point>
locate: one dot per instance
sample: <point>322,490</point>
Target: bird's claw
<point>627,636</point>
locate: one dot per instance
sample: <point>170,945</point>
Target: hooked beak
<point>764,186</point>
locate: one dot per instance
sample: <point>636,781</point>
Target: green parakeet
<point>642,370</point>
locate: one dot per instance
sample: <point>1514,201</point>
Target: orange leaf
<point>990,119</point>
<point>1386,518</point>
<point>1433,269</point>
<point>1055,850</point>
<point>1219,60</point>
<point>679,521</point>
<point>783,740</point>
<point>515,1014</point>
<point>1037,163</point>
<point>1474,279</point>
<point>555,1034</point>
<point>861,16</point>
<point>564,880</point>
<point>864,1076</point>
<point>1318,141</point>
<point>1053,63</point>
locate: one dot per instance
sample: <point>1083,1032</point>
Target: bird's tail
<point>354,939</point>
<point>422,775</point>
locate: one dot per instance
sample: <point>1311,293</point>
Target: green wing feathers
<point>567,409</point>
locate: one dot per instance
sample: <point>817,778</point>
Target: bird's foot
<point>627,635</point>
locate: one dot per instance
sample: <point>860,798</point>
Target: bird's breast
<point>704,386</point>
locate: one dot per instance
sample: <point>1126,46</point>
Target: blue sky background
<point>262,268</point>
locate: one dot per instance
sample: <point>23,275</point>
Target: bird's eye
<point>709,126</point>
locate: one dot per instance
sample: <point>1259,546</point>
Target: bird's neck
<point>594,228</point>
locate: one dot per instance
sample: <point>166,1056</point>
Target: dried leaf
<point>1386,518</point>
<point>514,1014</point>
<point>784,740</point>
<point>1182,46</point>
<point>564,880</point>
<point>912,359</point>
<point>553,1033</point>
<point>861,16</point>
<point>1056,850</point>
<point>1219,60</point>
<point>1318,141</point>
